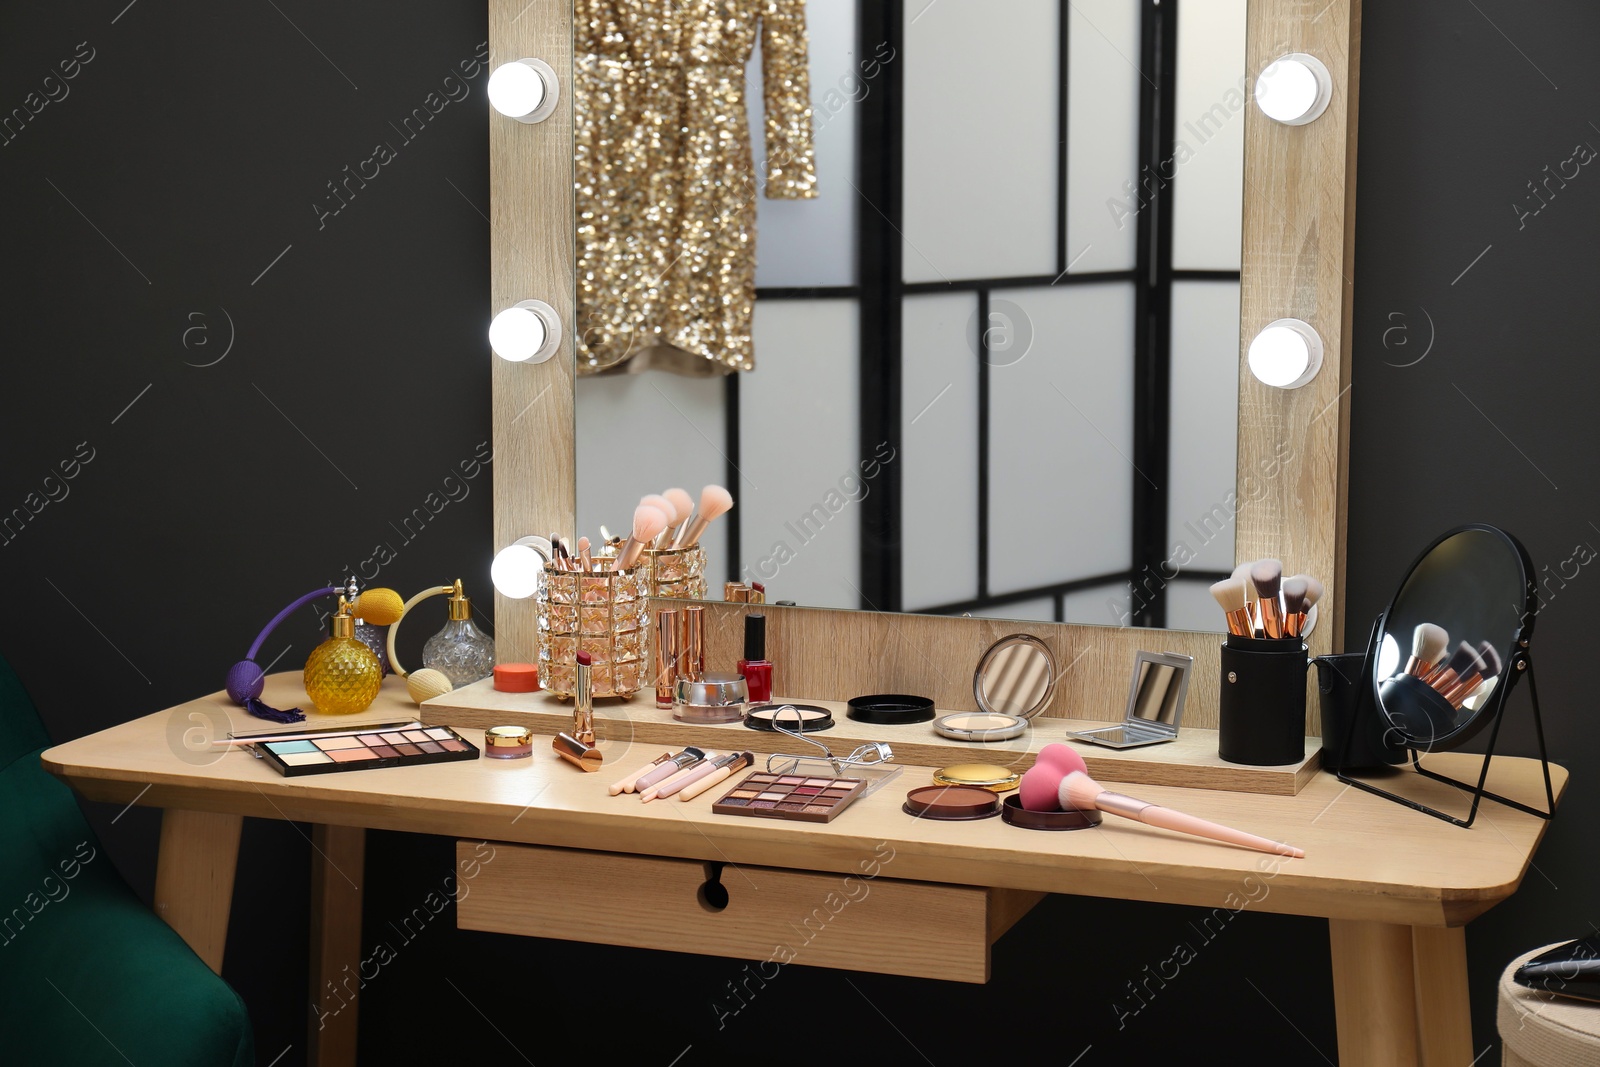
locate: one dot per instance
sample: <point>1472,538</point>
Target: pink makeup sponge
<point>1062,756</point>
<point>1040,786</point>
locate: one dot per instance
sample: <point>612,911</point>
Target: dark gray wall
<point>195,146</point>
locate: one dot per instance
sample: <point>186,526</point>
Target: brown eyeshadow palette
<point>790,796</point>
<point>360,752</point>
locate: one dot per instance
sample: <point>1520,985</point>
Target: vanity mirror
<point>963,341</point>
<point>1286,492</point>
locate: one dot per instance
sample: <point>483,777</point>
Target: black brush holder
<point>1352,734</point>
<point>1262,720</point>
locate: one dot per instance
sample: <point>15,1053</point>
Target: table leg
<point>337,872</point>
<point>1444,1015</point>
<point>194,878</point>
<point>1373,993</point>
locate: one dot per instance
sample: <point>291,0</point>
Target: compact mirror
<point>1451,635</point>
<point>1015,679</point>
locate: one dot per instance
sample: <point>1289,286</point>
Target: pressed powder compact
<point>508,742</point>
<point>1014,813</point>
<point>979,775</point>
<point>890,709</point>
<point>951,803</point>
<point>797,718</point>
<point>1014,681</point>
<point>710,698</point>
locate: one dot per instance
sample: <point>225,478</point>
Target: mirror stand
<point>1521,663</point>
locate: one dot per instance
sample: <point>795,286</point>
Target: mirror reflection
<point>945,292</point>
<point>1449,636</point>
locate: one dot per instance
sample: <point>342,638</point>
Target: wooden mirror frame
<point>1298,227</point>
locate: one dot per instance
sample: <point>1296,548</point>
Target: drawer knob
<point>713,895</point>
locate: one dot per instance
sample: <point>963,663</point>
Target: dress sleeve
<point>791,165</point>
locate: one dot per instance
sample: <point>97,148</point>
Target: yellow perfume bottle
<point>342,675</point>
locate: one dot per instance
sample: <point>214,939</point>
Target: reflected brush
<point>1428,643</point>
<point>1267,577</point>
<point>1489,666</point>
<point>682,508</point>
<point>1464,661</point>
<point>714,503</point>
<point>1232,595</point>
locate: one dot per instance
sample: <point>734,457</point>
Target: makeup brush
<point>1488,667</point>
<point>1242,573</point>
<point>625,783</point>
<point>1314,591</point>
<point>1428,643</point>
<point>714,503</point>
<point>1294,605</point>
<point>1267,577</point>
<point>1076,790</point>
<point>722,768</point>
<point>668,786</point>
<point>1230,595</point>
<point>583,554</point>
<point>647,523</point>
<point>1459,664</point>
<point>682,507</point>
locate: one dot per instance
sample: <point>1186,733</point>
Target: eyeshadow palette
<point>360,752</point>
<point>790,796</point>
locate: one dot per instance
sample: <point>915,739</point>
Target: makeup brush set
<point>1468,674</point>
<point>1258,601</point>
<point>662,522</point>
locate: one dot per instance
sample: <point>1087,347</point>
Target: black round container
<point>1262,717</point>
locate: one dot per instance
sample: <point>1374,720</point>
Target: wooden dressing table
<point>1396,886</point>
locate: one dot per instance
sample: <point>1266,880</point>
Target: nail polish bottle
<point>755,668</point>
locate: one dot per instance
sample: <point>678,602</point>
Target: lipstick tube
<point>692,648</point>
<point>666,656</point>
<point>583,702</point>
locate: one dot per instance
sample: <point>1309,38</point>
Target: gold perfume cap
<point>342,623</point>
<point>460,606</point>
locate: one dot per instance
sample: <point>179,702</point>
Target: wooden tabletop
<point>1366,858</point>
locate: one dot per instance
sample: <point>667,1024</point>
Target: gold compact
<point>1015,679</point>
<point>988,776</point>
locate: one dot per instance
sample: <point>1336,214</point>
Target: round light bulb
<point>526,90</point>
<point>516,572</point>
<point>516,89</point>
<point>1294,89</point>
<point>1286,354</point>
<point>517,334</point>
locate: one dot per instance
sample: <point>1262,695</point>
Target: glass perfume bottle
<point>342,675</point>
<point>461,652</point>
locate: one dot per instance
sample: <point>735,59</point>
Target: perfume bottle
<point>368,634</point>
<point>461,652</point>
<point>342,675</point>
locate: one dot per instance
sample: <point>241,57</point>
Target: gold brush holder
<point>603,614</point>
<point>674,573</point>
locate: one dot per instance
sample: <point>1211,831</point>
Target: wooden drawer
<point>858,922</point>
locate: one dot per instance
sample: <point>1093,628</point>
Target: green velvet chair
<point>88,974</point>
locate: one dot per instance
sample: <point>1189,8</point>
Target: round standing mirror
<point>1450,637</point>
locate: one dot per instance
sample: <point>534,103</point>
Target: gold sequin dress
<point>666,186</point>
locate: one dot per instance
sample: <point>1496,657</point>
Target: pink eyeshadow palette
<point>320,755</point>
<point>789,796</point>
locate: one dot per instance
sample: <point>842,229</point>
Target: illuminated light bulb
<point>518,568</point>
<point>1294,89</point>
<point>526,331</point>
<point>1286,354</point>
<point>526,90</point>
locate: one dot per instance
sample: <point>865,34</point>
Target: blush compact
<point>890,709</point>
<point>988,776</point>
<point>951,803</point>
<point>1014,813</point>
<point>797,718</point>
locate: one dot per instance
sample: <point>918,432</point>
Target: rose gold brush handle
<point>700,785</point>
<point>1167,819</point>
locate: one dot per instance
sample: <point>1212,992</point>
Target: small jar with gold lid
<point>507,742</point>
